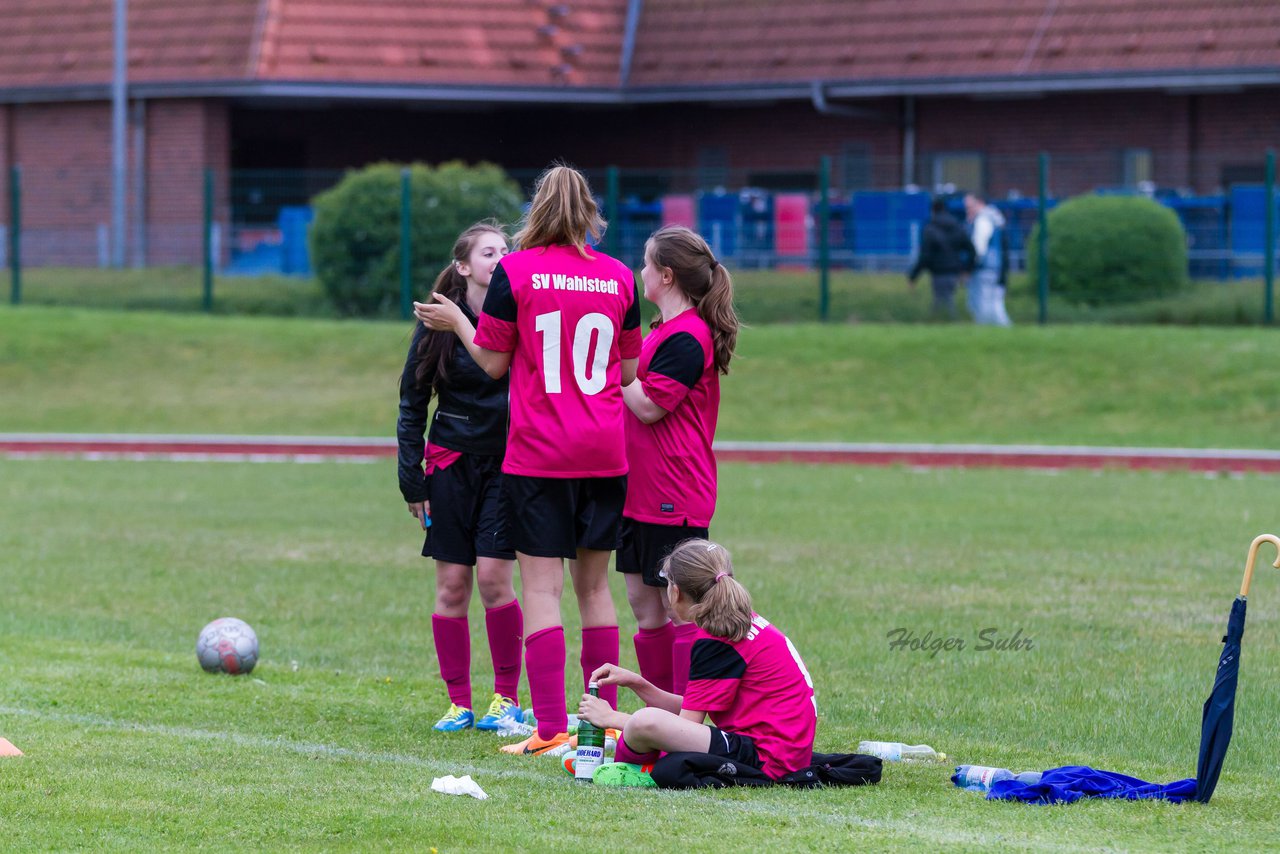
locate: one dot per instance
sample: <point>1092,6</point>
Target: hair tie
<point>719,575</point>
<point>714,263</point>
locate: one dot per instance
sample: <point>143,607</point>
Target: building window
<point>955,171</point>
<point>856,160</point>
<point>784,181</point>
<point>713,168</point>
<point>1137,168</point>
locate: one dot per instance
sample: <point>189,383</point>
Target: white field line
<point>302,748</point>
<point>831,815</point>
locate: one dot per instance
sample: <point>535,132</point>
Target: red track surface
<point>300,448</point>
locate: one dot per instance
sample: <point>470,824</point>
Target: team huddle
<point>561,433</point>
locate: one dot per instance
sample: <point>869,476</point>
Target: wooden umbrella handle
<point>1253,555</point>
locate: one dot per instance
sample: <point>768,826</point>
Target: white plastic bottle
<point>896,751</point>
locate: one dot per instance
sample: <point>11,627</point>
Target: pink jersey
<point>757,687</point>
<point>568,322</point>
<point>673,469</point>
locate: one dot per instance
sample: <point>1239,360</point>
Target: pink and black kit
<point>671,494</point>
<point>459,471</point>
<point>568,322</point>
<point>759,696</point>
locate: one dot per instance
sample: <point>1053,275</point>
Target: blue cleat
<point>501,710</point>
<point>455,720</point>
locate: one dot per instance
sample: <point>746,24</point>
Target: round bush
<point>355,238</point>
<point>1112,249</point>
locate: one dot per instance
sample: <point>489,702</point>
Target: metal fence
<point>845,212</point>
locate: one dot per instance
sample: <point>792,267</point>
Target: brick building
<point>1182,93</point>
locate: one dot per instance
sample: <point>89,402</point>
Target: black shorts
<point>466,520</point>
<point>554,517</point>
<point>645,546</point>
<point>737,748</point>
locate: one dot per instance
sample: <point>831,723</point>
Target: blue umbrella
<point>1220,709</point>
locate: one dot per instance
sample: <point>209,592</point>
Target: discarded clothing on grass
<point>1070,783</point>
<point>706,770</point>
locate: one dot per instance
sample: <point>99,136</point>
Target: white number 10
<point>590,363</point>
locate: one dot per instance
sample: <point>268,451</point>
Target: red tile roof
<point>506,42</point>
<point>736,41</point>
<point>69,42</point>
<point>578,43</point>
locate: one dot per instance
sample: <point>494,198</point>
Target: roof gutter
<point>1185,82</point>
<point>818,96</point>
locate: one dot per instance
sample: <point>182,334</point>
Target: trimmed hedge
<point>1107,250</point>
<point>355,238</point>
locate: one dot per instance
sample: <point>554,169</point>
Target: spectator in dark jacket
<point>947,253</point>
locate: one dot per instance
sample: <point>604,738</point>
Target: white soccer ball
<point>227,645</point>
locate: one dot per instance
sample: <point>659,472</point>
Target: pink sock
<point>680,649</point>
<point>506,640</point>
<point>544,662</point>
<point>654,652</point>
<point>623,753</point>
<point>453,651</point>
<point>600,645</point>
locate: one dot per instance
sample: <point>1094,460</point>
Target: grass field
<point>80,370</point>
<point>762,297</point>
<point>1122,581</point>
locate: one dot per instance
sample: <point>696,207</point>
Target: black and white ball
<point>227,645</point>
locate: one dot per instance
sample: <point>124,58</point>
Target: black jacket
<point>945,248</point>
<point>471,412</point>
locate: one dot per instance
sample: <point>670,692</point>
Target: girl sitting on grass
<point>743,673</point>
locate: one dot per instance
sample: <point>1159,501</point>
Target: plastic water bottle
<point>590,754</point>
<point>896,751</point>
<point>980,778</point>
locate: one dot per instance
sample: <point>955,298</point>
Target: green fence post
<point>824,238</point>
<point>1042,242</point>
<point>406,266</point>
<point>207,300</point>
<point>612,243</point>
<point>1269,242</point>
<point>15,235</point>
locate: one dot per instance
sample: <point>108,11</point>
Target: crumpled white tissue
<point>451,785</point>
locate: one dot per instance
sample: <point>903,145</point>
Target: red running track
<point>341,449</point>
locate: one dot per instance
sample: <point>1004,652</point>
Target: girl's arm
<point>444,315</point>
<point>411,426</point>
<point>640,404</point>
<point>612,674</point>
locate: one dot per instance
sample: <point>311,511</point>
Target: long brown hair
<point>435,349</point>
<point>703,571</point>
<point>702,279</point>
<point>563,212</point>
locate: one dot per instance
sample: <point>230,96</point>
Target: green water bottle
<point>590,754</point>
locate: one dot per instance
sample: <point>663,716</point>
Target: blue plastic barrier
<point>294,221</point>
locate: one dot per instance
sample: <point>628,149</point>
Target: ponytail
<point>563,212</point>
<point>703,571</point>
<point>706,283</point>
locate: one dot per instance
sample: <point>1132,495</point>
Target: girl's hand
<point>612,674</point>
<point>442,315</point>
<point>420,510</point>
<point>600,713</point>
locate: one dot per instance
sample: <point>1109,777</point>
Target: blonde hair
<point>563,212</point>
<point>703,571</point>
<point>702,279</point>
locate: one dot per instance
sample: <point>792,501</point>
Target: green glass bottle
<point>590,754</point>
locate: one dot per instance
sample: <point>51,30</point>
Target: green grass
<point>763,297</point>
<point>80,370</point>
<point>1123,581</point>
